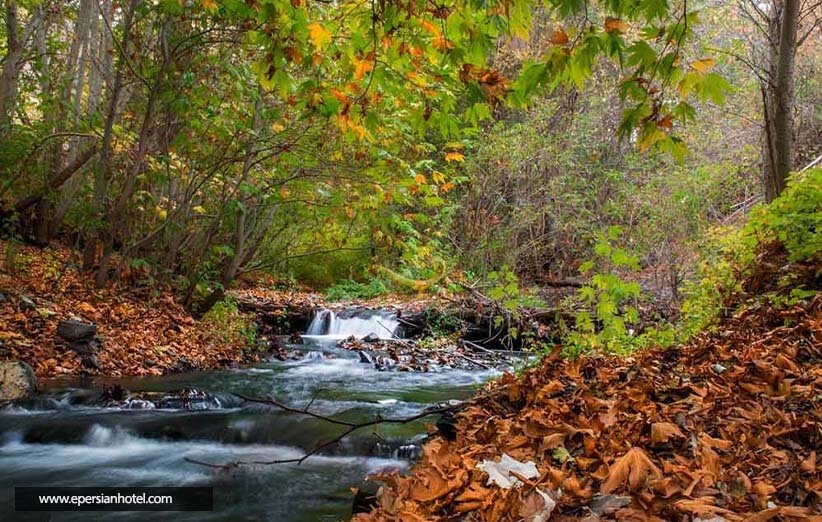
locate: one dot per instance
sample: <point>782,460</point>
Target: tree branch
<point>351,427</point>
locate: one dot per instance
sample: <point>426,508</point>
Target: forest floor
<point>142,328</point>
<point>726,427</point>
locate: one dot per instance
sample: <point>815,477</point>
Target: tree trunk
<point>103,173</point>
<point>780,117</point>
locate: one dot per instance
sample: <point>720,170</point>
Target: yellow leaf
<point>284,192</point>
<point>704,65</point>
<point>454,156</point>
<point>210,5</point>
<point>438,177</point>
<point>420,178</point>
<point>320,36</point>
<point>277,127</point>
<point>361,67</point>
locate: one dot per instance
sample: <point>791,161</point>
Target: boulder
<point>74,330</point>
<point>17,381</point>
<point>365,358</point>
<point>371,338</point>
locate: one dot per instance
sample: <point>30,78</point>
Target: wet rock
<point>365,498</point>
<point>89,361</point>
<point>365,358</point>
<point>75,330</point>
<point>114,393</point>
<point>184,364</point>
<point>138,404</point>
<point>296,338</point>
<point>371,338</point>
<point>447,426</point>
<point>17,381</point>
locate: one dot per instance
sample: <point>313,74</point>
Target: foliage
<point>439,323</point>
<point>227,325</point>
<point>254,134</point>
<point>734,258</point>
<point>604,322</point>
<point>350,289</point>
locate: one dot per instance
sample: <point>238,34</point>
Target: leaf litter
<point>662,435</point>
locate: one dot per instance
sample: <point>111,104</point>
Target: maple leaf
<point>454,156</point>
<point>663,431</point>
<point>635,466</point>
<point>320,36</point>
<point>362,67</point>
<point>615,25</point>
<point>704,65</point>
<point>559,37</point>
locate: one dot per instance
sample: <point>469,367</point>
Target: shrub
<point>350,289</point>
<point>225,324</point>
<point>773,256</point>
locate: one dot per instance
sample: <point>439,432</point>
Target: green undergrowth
<point>349,289</point>
<point>227,325</point>
<point>773,259</point>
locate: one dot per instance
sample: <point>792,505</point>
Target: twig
<point>481,365</point>
<point>350,428</point>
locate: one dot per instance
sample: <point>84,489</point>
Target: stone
<point>17,381</point>
<point>74,330</point>
<point>371,338</point>
<point>90,361</point>
<point>365,358</point>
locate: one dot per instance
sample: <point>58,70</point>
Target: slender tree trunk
<point>103,174</point>
<point>783,99</point>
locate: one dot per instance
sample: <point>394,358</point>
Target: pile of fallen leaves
<point>143,329</point>
<point>725,428</point>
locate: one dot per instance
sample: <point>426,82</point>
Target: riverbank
<point>726,427</point>
<point>140,329</point>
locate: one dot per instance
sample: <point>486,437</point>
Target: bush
<point>772,256</point>
<point>225,324</point>
<point>350,289</point>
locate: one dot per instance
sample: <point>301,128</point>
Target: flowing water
<point>65,438</point>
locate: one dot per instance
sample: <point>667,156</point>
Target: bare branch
<point>351,427</point>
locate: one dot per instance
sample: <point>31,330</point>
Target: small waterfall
<point>358,322</point>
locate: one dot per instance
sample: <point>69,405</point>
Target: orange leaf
<point>662,431</point>
<point>559,37</point>
<point>454,156</point>
<point>615,25</point>
<point>635,467</point>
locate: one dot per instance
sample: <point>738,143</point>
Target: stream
<point>67,437</point>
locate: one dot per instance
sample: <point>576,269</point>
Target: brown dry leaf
<point>663,431</point>
<point>635,467</point>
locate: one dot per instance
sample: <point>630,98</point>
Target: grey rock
<point>27,303</point>
<point>607,504</point>
<point>90,361</point>
<point>718,368</point>
<point>371,338</point>
<point>76,330</point>
<point>17,381</point>
<point>366,358</point>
